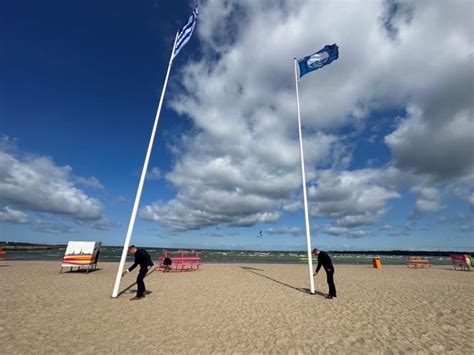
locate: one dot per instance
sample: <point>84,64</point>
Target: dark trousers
<point>140,284</point>
<point>332,287</point>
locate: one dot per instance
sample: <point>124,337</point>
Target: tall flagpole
<point>303,178</point>
<point>142,180</point>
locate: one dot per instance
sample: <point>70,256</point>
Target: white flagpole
<point>142,180</point>
<point>303,178</point>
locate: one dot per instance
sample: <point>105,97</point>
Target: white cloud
<point>11,215</point>
<point>293,206</point>
<point>153,174</point>
<point>294,231</point>
<point>47,226</point>
<point>36,185</point>
<point>463,189</point>
<point>404,230</point>
<point>429,201</point>
<point>219,234</point>
<point>241,165</point>
<point>99,224</point>
<point>350,198</point>
<point>443,219</point>
<point>440,147</point>
<point>463,222</point>
<point>90,182</point>
<point>345,231</point>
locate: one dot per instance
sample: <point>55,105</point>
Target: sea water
<point>113,254</point>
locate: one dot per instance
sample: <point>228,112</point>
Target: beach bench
<point>461,260</point>
<point>417,262</point>
<point>181,260</point>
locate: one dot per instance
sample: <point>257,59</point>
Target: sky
<point>388,128</point>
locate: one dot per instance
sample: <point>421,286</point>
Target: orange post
<point>377,263</point>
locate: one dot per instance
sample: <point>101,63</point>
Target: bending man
<point>324,260</point>
<point>143,259</point>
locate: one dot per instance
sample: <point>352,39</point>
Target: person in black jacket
<point>324,260</point>
<point>143,259</point>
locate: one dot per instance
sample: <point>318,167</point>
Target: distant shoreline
<point>12,246</point>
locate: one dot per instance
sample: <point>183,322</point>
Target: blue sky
<point>388,127</point>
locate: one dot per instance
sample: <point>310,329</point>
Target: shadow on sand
<point>81,271</point>
<point>451,269</point>
<point>128,288</point>
<point>300,289</point>
<point>250,268</point>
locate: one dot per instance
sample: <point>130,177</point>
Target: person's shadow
<point>300,289</point>
<point>133,284</point>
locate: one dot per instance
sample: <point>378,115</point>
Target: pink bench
<point>181,260</point>
<point>461,260</point>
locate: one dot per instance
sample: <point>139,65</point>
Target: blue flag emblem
<point>318,60</point>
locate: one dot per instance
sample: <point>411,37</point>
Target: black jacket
<point>324,260</point>
<point>142,258</point>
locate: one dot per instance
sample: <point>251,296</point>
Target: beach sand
<point>248,308</point>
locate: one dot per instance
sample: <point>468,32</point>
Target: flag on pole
<point>319,59</point>
<point>186,32</point>
<point>181,38</point>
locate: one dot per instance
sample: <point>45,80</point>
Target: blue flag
<point>318,60</point>
<point>186,32</point>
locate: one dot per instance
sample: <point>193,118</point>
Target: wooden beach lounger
<point>417,262</point>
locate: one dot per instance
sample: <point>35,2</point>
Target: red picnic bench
<point>181,260</point>
<point>461,260</point>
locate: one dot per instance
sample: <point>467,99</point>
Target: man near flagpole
<point>303,66</point>
<point>182,37</point>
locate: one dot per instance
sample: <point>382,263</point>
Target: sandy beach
<point>248,308</point>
